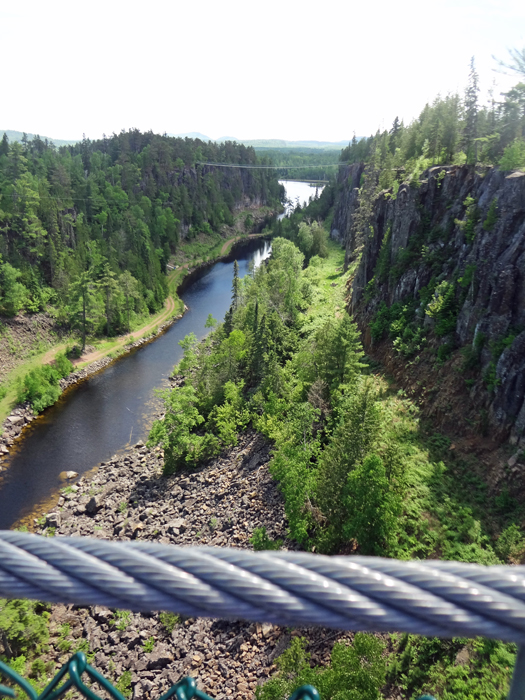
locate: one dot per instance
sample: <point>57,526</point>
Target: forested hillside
<point>88,229</point>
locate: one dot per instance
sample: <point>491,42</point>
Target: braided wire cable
<point>433,598</point>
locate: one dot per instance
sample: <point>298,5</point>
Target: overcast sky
<point>284,69</point>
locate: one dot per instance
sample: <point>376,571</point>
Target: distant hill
<point>256,143</point>
<point>270,143</point>
<point>281,143</point>
<point>17,136</point>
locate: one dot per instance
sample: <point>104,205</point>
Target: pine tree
<point>235,286</point>
<point>109,285</point>
<point>470,131</point>
<point>4,145</point>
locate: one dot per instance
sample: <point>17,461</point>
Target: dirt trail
<point>224,248</point>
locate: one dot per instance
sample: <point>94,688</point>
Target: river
<point>112,409</point>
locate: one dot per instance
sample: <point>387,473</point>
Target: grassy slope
<point>449,513</point>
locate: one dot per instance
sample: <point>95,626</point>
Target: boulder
<point>93,505</point>
<point>53,520</point>
<point>176,526</point>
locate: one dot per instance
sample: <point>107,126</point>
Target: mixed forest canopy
<point>89,228</point>
<point>455,129</point>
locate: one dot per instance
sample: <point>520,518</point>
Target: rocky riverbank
<point>220,505</point>
<point>22,414</point>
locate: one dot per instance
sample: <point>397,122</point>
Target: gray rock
<point>159,658</point>
<point>176,526</point>
<point>53,520</point>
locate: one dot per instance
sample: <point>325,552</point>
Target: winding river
<point>112,409</point>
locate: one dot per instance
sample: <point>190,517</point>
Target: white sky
<point>290,69</point>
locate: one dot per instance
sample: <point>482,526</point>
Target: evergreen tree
<point>235,285</point>
<point>470,130</point>
<point>108,284</point>
<point>130,289</point>
<point>4,145</point>
<point>84,307</point>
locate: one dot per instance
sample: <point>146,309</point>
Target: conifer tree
<point>470,131</point>
<point>235,285</point>
<point>4,145</point>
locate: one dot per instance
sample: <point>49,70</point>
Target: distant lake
<point>298,192</point>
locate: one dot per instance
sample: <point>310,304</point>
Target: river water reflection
<point>112,409</point>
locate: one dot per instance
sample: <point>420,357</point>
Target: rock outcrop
<point>432,232</point>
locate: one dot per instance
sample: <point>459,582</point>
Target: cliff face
<point>462,227</point>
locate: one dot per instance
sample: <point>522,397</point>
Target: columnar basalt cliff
<point>453,244</point>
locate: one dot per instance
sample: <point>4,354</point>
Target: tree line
<point>88,229</point>
<point>455,129</point>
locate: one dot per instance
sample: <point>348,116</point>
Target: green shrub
<point>443,309</point>
<point>510,544</point>
<point>121,619</point>
<point>513,157</point>
<point>24,623</point>
<point>169,621</point>
<point>444,351</point>
<point>149,645</point>
<point>356,672</point>
<point>123,685</point>
<point>381,323</point>
<point>62,365</point>
<point>468,276</point>
<point>41,387</point>
<point>430,665</point>
<point>492,216</point>
<point>260,540</point>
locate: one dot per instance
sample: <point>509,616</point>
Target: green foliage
<point>182,447</point>
<point>356,672</point>
<point>149,645</point>
<point>497,347</point>
<point>121,619</point>
<point>468,276</point>
<point>429,665</point>
<point>472,219</point>
<point>402,326</point>
<point>169,621</point>
<point>13,294</point>
<point>443,308</point>
<point>24,624</point>
<point>353,439</point>
<point>260,540</point>
<point>123,685</point>
<point>492,216</point>
<point>373,507</point>
<point>510,544</point>
<point>40,386</point>
<point>64,644</point>
<point>513,157</point>
<point>91,227</point>
<point>228,419</point>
